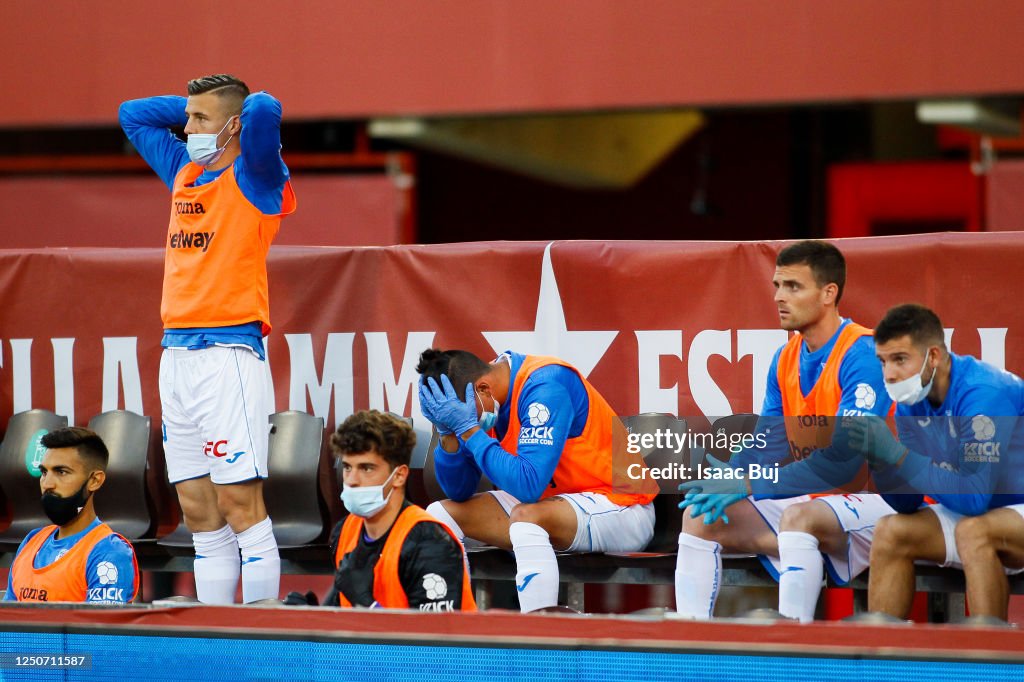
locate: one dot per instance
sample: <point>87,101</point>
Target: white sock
<point>437,510</point>
<point>698,576</point>
<point>261,564</point>
<point>216,566</point>
<point>536,566</point>
<point>802,571</point>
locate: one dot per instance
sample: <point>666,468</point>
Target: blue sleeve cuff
<point>904,504</point>
<point>760,488</point>
<point>451,458</point>
<point>456,473</point>
<point>476,443</point>
<point>914,465</point>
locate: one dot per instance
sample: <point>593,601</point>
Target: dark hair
<point>89,445</point>
<point>826,262</point>
<point>921,324</point>
<point>222,85</point>
<point>461,366</point>
<point>370,430</point>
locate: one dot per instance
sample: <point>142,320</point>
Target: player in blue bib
<point>960,443</point>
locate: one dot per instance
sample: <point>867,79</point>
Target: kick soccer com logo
<point>436,589</point>
<point>982,449</point>
<point>106,572</point>
<point>537,433</point>
<point>864,397</point>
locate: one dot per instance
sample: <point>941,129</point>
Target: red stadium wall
<point>1005,197</point>
<point>351,210</point>
<point>326,59</point>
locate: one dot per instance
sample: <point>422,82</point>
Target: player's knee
<point>240,511</point>
<point>697,528</point>
<point>527,513</point>
<point>435,508</point>
<point>893,537</point>
<point>202,520</point>
<point>972,537</point>
<point>239,519</point>
<point>200,515</point>
<point>446,511</point>
<point>804,517</point>
<point>693,526</point>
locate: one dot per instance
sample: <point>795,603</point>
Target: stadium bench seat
<point>729,425</point>
<point>123,503</point>
<point>291,493</point>
<point>21,488</point>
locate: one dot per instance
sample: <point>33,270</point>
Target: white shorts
<point>601,525</point>
<point>857,515</point>
<point>215,403</point>
<point>948,520</point>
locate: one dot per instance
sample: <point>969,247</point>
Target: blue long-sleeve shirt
<point>968,452</point>
<point>863,392</point>
<point>110,568</point>
<point>527,472</point>
<point>259,170</point>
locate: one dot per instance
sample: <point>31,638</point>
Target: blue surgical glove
<point>698,503</point>
<point>426,403</point>
<point>458,416</point>
<point>870,436</point>
<point>711,506</point>
<point>711,496</point>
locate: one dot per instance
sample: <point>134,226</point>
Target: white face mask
<point>366,500</point>
<point>910,391</point>
<point>487,419</point>
<point>202,147</point>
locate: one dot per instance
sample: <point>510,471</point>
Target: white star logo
<point>583,350</point>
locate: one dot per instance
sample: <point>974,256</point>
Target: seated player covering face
<point>389,552</point>
<point>78,558</point>
<point>961,442</point>
<point>554,448</point>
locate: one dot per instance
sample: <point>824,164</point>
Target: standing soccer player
<point>229,190</point>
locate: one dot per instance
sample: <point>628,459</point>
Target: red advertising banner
<point>679,327</point>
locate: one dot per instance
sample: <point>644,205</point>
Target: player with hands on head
<point>230,190</point>
<point>554,448</point>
